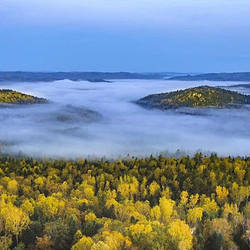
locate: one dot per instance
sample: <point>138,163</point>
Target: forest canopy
<point>149,203</point>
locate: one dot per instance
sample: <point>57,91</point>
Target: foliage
<point>199,203</point>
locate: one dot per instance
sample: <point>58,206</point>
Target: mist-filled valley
<point>101,119</point>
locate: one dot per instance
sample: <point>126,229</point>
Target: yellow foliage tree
<point>222,194</point>
<point>184,198</point>
<point>139,229</point>
<point>167,209</point>
<point>210,206</point>
<point>128,187</point>
<point>233,211</point>
<point>100,245</point>
<point>90,217</point>
<point>155,213</point>
<point>166,193</point>
<point>194,215</point>
<point>154,189</point>
<point>12,187</point>
<point>28,207</point>
<point>193,200</point>
<point>84,243</point>
<point>116,241</point>
<point>48,207</point>
<point>16,221</point>
<point>181,234</point>
<point>143,208</point>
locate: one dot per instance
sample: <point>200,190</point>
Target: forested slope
<point>14,97</point>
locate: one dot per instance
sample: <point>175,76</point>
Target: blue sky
<point>125,35</point>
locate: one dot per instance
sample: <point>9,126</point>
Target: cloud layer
<point>57,129</point>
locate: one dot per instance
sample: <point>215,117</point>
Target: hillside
<point>238,77</point>
<point>14,97</point>
<point>203,96</point>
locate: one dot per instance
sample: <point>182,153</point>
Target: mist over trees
<point>171,201</point>
<point>101,119</point>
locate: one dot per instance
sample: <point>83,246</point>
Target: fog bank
<point>100,119</point>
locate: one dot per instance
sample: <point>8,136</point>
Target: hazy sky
<point>125,35</point>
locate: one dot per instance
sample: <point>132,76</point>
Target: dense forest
<point>152,203</point>
<point>203,96</point>
<point>14,97</point>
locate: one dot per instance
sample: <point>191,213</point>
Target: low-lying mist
<point>100,119</point>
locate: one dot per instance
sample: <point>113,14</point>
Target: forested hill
<point>203,96</point>
<point>73,76</point>
<point>238,77</point>
<point>13,97</point>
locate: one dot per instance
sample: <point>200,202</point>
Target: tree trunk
<point>16,240</point>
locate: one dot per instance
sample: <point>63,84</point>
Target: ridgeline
<point>237,77</point>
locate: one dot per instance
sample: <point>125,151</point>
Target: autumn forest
<point>149,203</point>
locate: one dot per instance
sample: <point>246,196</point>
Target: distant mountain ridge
<point>237,77</point>
<point>20,76</point>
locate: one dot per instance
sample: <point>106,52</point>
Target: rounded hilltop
<point>197,97</point>
<point>8,96</point>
